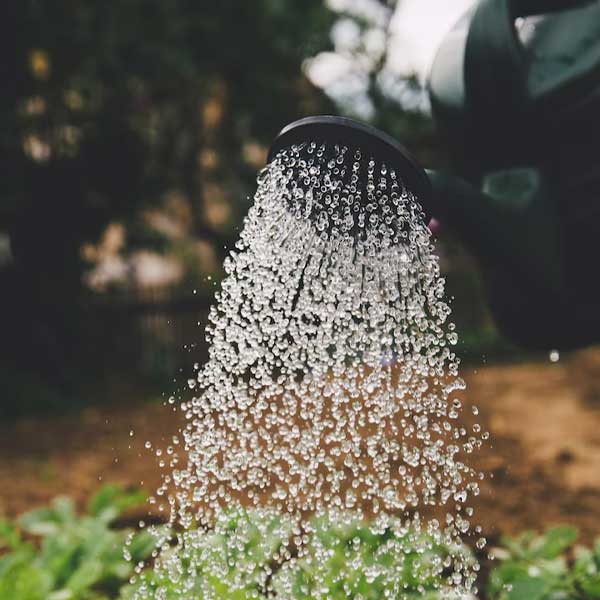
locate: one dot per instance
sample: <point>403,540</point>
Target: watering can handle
<point>495,66</point>
<point>525,8</point>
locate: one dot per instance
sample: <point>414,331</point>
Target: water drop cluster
<point>331,386</point>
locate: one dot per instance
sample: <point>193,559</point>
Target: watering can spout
<point>510,221</point>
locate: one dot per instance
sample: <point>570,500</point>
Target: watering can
<point>515,92</point>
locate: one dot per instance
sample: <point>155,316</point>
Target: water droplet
<point>330,385</point>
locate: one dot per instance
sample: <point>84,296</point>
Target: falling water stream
<point>331,385</point>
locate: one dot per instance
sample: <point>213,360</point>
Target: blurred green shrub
<point>77,558</point>
<point>233,561</point>
<point>54,554</point>
<point>545,567</point>
<point>358,563</point>
<point>248,553</point>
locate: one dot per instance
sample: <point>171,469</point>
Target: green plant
<point>233,561</point>
<point>347,559</point>
<point>546,567</point>
<point>247,556</point>
<point>77,557</point>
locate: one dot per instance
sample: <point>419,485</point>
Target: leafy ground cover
<point>545,567</point>
<point>543,462</point>
<point>54,553</point>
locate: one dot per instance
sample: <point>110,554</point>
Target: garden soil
<point>542,461</point>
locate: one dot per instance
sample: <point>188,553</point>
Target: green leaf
<point>48,521</point>
<point>9,536</point>
<point>591,586</point>
<point>142,545</point>
<point>84,577</point>
<point>42,522</point>
<point>120,569</point>
<point>113,500</point>
<point>21,580</point>
<point>519,547</point>
<point>529,588</point>
<point>556,541</point>
<point>61,595</point>
<point>64,509</point>
<point>596,550</point>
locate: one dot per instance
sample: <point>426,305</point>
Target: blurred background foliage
<point>132,131</point>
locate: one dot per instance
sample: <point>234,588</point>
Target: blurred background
<point>132,132</point>
<point>132,135</point>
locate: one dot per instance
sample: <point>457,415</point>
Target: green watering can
<point>515,92</point>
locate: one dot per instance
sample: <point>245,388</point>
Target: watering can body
<point>515,92</point>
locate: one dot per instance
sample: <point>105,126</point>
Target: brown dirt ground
<point>543,460</point>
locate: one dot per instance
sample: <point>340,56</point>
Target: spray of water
<point>329,394</point>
